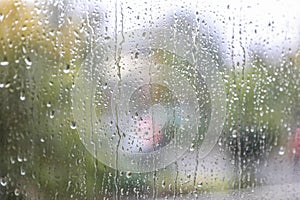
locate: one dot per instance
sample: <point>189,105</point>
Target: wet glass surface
<point>149,100</point>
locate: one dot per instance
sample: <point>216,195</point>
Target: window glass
<point>149,99</point>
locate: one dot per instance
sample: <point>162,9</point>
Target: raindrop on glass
<point>12,160</point>
<point>22,171</point>
<point>234,133</point>
<point>24,28</point>
<point>163,183</point>
<point>22,96</point>
<point>128,174</point>
<point>19,159</point>
<point>48,104</point>
<point>192,147</point>
<point>73,125</point>
<point>17,192</point>
<point>199,184</point>
<point>4,62</point>
<point>51,114</point>
<point>28,61</point>
<point>3,181</point>
<point>281,151</point>
<point>67,69</point>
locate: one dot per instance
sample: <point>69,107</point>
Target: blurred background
<point>149,99</point>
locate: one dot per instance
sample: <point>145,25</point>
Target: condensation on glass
<point>149,99</point>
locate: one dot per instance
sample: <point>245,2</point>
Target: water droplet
<point>48,104</point>
<point>104,86</point>
<point>121,173</point>
<point>4,62</point>
<point>22,96</point>
<point>12,160</point>
<point>22,171</point>
<point>3,181</point>
<point>17,191</point>
<point>24,50</point>
<point>128,174</point>
<point>73,125</point>
<point>19,159</point>
<point>192,147</point>
<point>7,85</point>
<point>66,69</point>
<point>24,28</point>
<point>28,61</point>
<point>280,89</point>
<point>294,151</point>
<point>220,143</point>
<point>42,140</point>
<point>163,183</point>
<point>199,184</point>
<point>281,151</point>
<point>51,114</point>
<point>261,113</point>
<point>234,133</point>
